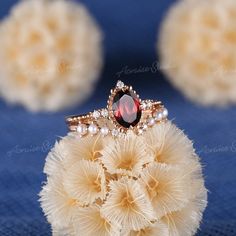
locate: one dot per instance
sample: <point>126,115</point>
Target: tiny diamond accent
<point>149,104</point>
<point>104,113</point>
<point>114,132</point>
<point>144,105</point>
<point>96,114</point>
<point>140,131</point>
<point>120,84</point>
<point>145,126</point>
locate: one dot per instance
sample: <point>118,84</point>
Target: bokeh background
<point>130,32</point>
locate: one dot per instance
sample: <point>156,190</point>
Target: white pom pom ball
<point>197,50</point>
<point>50,54</point>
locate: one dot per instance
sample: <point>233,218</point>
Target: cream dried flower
<point>50,54</point>
<point>58,206</point>
<point>63,231</point>
<point>169,144</point>
<point>85,181</point>
<point>155,229</point>
<point>126,155</point>
<point>185,222</point>
<point>197,50</point>
<point>167,188</point>
<point>131,185</point>
<point>128,205</point>
<point>70,150</point>
<point>90,222</point>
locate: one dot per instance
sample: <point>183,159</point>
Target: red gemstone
<point>126,108</point>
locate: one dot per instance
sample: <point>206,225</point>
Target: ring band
<point>125,111</point>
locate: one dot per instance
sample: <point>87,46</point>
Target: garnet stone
<point>126,108</point>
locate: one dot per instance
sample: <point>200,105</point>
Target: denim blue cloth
<point>130,28</point>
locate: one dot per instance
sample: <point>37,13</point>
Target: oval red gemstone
<point>126,108</point>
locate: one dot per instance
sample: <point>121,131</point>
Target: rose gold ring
<point>125,111</point>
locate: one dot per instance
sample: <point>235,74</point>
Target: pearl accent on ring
<point>82,129</point>
<point>165,113</point>
<point>93,129</point>
<point>158,115</point>
<point>104,130</point>
<point>151,121</point>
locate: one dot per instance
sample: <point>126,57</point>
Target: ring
<point>125,111</point>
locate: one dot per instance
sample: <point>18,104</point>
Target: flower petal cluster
<point>50,54</point>
<point>127,186</point>
<point>197,50</point>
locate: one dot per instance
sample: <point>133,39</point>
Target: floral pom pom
<point>50,54</point>
<point>126,186</point>
<point>197,50</point>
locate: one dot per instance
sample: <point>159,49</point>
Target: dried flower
<point>63,231</point>
<point>126,155</point>
<point>50,54</point>
<point>58,206</point>
<point>155,229</point>
<point>185,222</point>
<point>169,144</point>
<point>90,222</point>
<point>85,181</point>
<point>131,185</point>
<point>197,50</point>
<point>69,151</point>
<point>167,188</point>
<point>128,205</point>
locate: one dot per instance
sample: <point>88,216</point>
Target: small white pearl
<point>82,129</point>
<point>165,113</point>
<point>93,129</point>
<point>151,121</point>
<point>158,115</point>
<point>104,131</point>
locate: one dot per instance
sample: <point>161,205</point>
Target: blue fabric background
<point>130,30</point>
